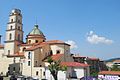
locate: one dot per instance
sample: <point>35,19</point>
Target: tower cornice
<point>14,22</point>
<point>12,41</point>
<point>14,30</point>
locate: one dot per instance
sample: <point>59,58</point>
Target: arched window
<point>36,41</point>
<point>28,63</point>
<point>43,40</point>
<point>29,41</point>
<point>11,20</point>
<point>58,52</point>
<point>8,52</point>
<point>51,53</point>
<point>18,27</point>
<point>10,36</point>
<point>24,49</point>
<point>13,68</point>
<point>11,27</point>
<point>29,55</point>
<point>18,36</point>
<point>36,73</point>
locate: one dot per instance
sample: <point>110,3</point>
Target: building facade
<point>28,58</point>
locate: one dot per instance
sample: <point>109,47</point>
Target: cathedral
<point>30,58</point>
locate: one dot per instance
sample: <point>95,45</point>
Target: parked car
<point>1,77</point>
<point>13,77</point>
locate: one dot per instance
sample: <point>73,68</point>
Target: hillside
<point>111,60</point>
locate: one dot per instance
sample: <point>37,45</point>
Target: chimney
<point>0,39</point>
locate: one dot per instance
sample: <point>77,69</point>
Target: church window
<point>8,52</point>
<point>10,36</point>
<point>51,53</point>
<point>40,65</point>
<point>13,68</point>
<point>36,73</point>
<point>36,41</point>
<point>29,41</point>
<point>11,20</point>
<point>24,49</point>
<point>11,27</point>
<point>18,27</point>
<point>28,63</point>
<point>58,52</point>
<point>29,54</point>
<point>44,73</point>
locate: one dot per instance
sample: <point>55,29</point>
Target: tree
<point>54,67</point>
<point>93,72</point>
<point>115,68</point>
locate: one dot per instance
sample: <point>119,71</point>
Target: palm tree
<point>54,67</point>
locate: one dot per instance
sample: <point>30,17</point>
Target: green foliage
<point>93,72</point>
<point>115,68</point>
<point>55,66</point>
<point>49,60</point>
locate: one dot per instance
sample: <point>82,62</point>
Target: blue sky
<point>92,25</point>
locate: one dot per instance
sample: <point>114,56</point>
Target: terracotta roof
<point>110,72</point>
<point>1,46</point>
<point>94,59</point>
<point>74,64</point>
<point>79,57</point>
<point>87,58</point>
<point>116,61</point>
<point>18,54</point>
<point>26,44</point>
<point>57,56</point>
<point>35,46</point>
<point>56,42</point>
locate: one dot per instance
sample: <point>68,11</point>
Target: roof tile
<point>110,72</point>
<point>74,64</point>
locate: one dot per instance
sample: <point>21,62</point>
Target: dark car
<point>1,77</point>
<point>13,78</point>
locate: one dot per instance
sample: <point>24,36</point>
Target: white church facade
<point>29,58</point>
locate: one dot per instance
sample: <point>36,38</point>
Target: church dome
<point>36,31</point>
<point>35,36</point>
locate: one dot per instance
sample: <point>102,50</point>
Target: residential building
<point>109,75</point>
<point>96,64</point>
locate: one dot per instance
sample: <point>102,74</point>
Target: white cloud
<point>72,43</point>
<point>95,39</point>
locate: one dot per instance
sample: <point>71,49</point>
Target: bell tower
<point>14,32</point>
